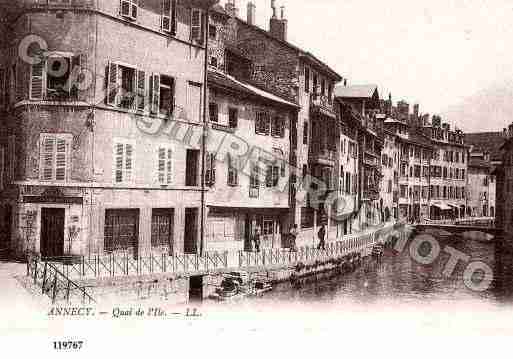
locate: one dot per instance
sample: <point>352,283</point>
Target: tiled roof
<point>227,82</point>
<point>490,142</point>
<point>356,91</point>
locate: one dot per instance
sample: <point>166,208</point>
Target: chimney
<point>278,27</point>
<point>345,82</point>
<point>231,8</point>
<point>416,109</point>
<point>251,13</point>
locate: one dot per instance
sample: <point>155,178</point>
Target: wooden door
<point>191,231</point>
<point>52,232</point>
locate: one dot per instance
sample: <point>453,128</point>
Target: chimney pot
<point>251,13</point>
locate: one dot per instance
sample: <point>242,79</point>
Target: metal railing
<point>56,284</point>
<point>281,256</point>
<point>126,264</point>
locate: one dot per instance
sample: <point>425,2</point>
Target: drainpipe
<point>204,135</point>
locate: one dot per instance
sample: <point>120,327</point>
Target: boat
<point>233,288</point>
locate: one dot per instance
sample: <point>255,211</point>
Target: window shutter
<point>155,94</point>
<point>47,158</point>
<point>141,90</point>
<point>37,83</point>
<point>133,10</point>
<point>208,169</point>
<point>161,165</point>
<point>213,166</point>
<point>169,166</point>
<point>112,84</point>
<point>128,162</point>
<point>118,159</point>
<point>269,176</point>
<point>173,17</point>
<point>196,25</point>
<point>60,160</point>
<point>166,15</point>
<point>125,8</point>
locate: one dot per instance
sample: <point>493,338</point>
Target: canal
<point>401,279</point>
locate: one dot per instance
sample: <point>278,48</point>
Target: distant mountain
<point>488,110</point>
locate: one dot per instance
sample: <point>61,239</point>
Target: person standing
<point>322,237</point>
<point>256,239</point>
<point>293,236</point>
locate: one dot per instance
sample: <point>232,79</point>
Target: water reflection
<point>399,278</point>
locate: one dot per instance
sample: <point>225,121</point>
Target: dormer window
<point>129,9</point>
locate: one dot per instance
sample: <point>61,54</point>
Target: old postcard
<point>256,178</point>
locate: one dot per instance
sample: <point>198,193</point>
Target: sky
<point>438,53</point>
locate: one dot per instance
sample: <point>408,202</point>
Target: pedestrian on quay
<point>257,240</point>
<point>322,237</point>
<point>293,236</point>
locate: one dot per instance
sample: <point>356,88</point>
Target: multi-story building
<point>102,105</point>
<point>389,190</point>
<point>504,175</point>
<point>249,182</point>
<point>295,75</point>
<point>481,185</point>
<point>449,170</point>
<point>365,108</point>
<point>414,156</point>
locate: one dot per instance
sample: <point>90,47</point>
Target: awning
<point>442,206</point>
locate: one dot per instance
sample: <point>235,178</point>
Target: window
<point>305,133</point>
<point>213,61</point>
<point>197,25</point>
<point>272,176</point>
<point>51,78</point>
<point>263,122</point>
<point>162,228</point>
<point>169,16</point>
<point>315,84</point>
<point>348,183</point>
<point>194,102</point>
<point>323,87</point>
<point>233,174</point>
<point>267,226</point>
<point>191,168</point>
<point>305,171</point>
<point>210,169</point>
<point>212,32</point>
<point>121,229</point>
<point>129,9</point>
<point>54,157</point>
<point>277,126</point>
<point>254,182</point>
<point>307,79</point>
<point>213,111</point>
<point>165,163</point>
<point>123,162</point>
<point>233,117</point>
<point>163,94</point>
<point>123,83</point>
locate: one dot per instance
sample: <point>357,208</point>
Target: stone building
<point>295,75</point>
<point>481,185</point>
<point>364,102</point>
<point>249,182</point>
<point>101,136</point>
<point>414,152</point>
<point>504,188</point>
<point>449,171</point>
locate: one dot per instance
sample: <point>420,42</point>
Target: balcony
<point>323,156</point>
<point>322,104</point>
<point>370,160</point>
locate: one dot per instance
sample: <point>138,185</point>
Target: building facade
<point>481,191</point>
<point>102,135</point>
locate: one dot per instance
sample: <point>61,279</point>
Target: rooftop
<point>357,91</point>
<point>226,82</point>
<point>490,142</point>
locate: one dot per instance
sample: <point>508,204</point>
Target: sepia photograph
<point>256,178</point>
